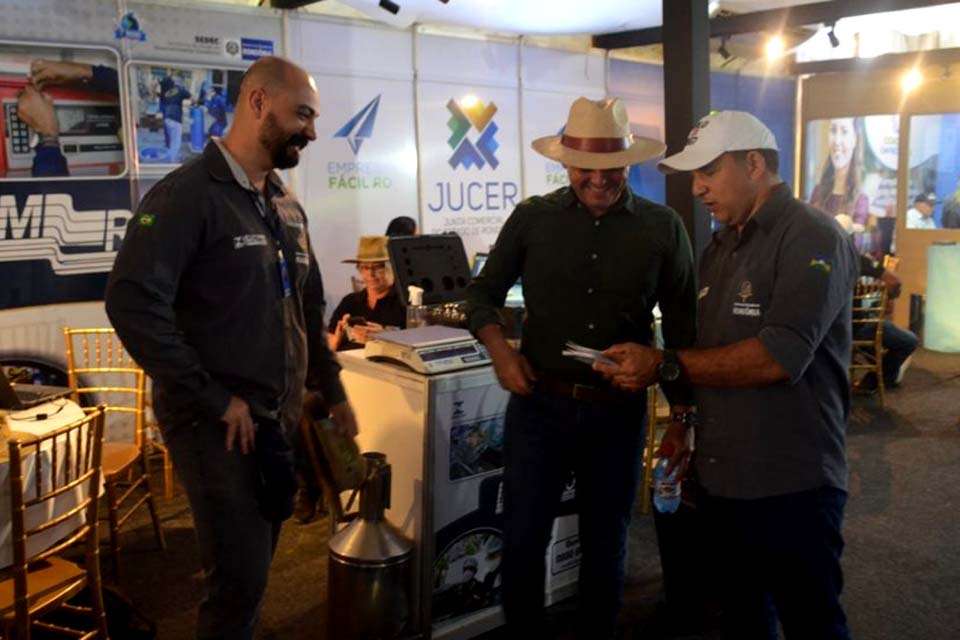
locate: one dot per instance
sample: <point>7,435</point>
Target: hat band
<point>595,145</point>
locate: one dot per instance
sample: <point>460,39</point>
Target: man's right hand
<point>37,111</point>
<point>239,425</point>
<point>514,372</point>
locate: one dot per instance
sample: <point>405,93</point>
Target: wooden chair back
<point>869,310</point>
<point>65,460</point>
<point>97,358</point>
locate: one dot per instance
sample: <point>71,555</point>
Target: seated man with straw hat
<point>377,306</point>
<point>594,260</point>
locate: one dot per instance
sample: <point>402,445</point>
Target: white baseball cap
<point>716,134</point>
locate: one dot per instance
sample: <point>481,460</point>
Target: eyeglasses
<point>373,267</point>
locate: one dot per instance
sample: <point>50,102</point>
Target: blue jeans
<point>898,344</point>
<point>545,438</point>
<point>173,135</point>
<point>777,557</point>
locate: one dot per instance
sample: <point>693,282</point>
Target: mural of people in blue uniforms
<point>171,99</point>
<point>216,106</point>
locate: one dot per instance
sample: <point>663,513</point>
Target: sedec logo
<point>360,126</point>
<point>466,114</point>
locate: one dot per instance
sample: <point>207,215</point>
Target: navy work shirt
<point>788,280</point>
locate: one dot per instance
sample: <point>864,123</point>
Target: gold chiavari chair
<point>97,359</point>
<point>64,461</point>
<point>869,309</point>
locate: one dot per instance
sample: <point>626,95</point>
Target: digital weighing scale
<point>429,350</point>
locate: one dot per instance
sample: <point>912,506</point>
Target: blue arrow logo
<point>360,126</point>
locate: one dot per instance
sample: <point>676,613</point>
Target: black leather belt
<point>583,392</point>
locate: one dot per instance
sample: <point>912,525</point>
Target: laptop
<point>24,396</point>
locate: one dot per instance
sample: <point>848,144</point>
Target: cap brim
<point>690,159</point>
<point>642,150</point>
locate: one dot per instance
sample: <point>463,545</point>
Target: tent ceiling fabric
<point>534,17</point>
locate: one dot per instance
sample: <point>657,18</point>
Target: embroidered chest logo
<point>249,240</point>
<point>742,306</point>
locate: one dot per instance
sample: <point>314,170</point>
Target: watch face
<point>669,371</point>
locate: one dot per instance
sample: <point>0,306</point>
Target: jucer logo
<point>360,127</point>
<point>466,114</point>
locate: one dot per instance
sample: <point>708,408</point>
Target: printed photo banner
<point>61,112</point>
<point>470,161</point>
<point>177,109</point>
<point>850,172</point>
<point>934,170</point>
<point>360,172</point>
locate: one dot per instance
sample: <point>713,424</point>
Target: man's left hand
<point>345,420</point>
<point>635,366</point>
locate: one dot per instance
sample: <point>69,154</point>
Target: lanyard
<point>283,269</point>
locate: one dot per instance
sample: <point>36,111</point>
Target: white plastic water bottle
<point>666,488</point>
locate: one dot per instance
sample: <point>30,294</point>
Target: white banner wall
<point>469,138</point>
<point>361,171</point>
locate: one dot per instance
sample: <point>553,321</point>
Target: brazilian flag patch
<point>820,264</point>
<point>146,219</point>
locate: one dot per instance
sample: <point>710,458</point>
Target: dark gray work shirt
<point>787,279</point>
<point>197,298</point>
<point>591,280</point>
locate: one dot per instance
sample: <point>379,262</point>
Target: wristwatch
<point>669,368</point>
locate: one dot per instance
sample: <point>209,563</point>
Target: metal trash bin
<point>369,566</point>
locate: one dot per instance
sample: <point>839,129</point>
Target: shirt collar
<point>226,168</point>
<point>624,202</point>
<point>770,211</point>
<point>765,219</point>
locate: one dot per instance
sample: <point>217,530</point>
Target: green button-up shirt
<point>592,280</point>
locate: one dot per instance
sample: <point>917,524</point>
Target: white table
<point>61,413</point>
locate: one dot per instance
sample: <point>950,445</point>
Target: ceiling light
<point>774,47</point>
<point>911,80</point>
<point>834,40</point>
<point>392,7</point>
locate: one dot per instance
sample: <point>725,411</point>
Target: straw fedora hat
<point>370,249</point>
<point>597,136</point>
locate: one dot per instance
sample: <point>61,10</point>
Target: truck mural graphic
<point>49,227</point>
<point>59,238</point>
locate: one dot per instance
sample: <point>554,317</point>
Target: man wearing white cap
<point>770,372</point>
<point>594,260</point>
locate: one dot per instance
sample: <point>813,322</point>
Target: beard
<point>284,148</point>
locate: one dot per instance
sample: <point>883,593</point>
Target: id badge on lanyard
<point>283,269</point>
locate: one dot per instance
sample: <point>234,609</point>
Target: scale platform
<point>428,350</point>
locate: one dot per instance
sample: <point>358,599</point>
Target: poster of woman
<point>850,169</point>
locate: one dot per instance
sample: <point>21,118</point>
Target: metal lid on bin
<point>370,542</point>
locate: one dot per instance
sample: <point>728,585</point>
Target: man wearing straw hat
<point>377,306</point>
<point>594,260</point>
<point>770,372</point>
